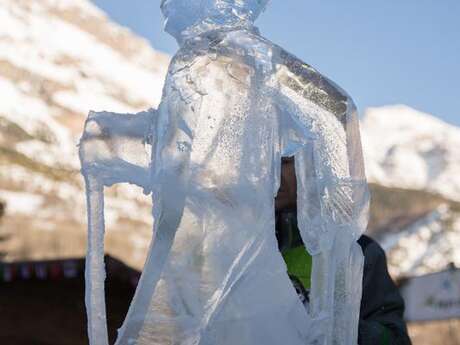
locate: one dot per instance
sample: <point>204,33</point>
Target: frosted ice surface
<point>233,104</point>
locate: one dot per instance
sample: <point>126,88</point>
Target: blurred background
<point>61,58</point>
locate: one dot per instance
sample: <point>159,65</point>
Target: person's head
<point>182,14</point>
<point>287,193</point>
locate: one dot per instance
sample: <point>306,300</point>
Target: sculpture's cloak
<point>233,105</point>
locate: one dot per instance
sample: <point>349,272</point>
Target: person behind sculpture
<point>233,104</point>
<point>382,307</point>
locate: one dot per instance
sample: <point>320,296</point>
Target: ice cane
<point>95,268</point>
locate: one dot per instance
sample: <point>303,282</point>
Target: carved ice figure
<point>233,104</point>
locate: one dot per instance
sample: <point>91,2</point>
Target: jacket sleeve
<point>382,307</point>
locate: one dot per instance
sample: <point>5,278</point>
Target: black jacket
<point>382,307</point>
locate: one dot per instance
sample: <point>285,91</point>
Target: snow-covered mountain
<point>409,149</point>
<point>58,60</point>
<point>429,244</point>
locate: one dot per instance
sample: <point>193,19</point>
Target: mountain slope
<point>419,230</point>
<point>58,60</point>
<point>413,160</point>
<point>409,149</point>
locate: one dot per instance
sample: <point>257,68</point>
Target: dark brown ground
<point>37,312</point>
<point>53,312</point>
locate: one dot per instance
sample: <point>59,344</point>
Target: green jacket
<point>382,307</point>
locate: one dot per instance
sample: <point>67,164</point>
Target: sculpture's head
<point>181,15</point>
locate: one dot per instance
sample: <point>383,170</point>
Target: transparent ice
<point>233,104</point>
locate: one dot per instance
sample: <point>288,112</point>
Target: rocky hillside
<point>409,149</point>
<point>419,230</point>
<point>413,162</point>
<point>58,58</point>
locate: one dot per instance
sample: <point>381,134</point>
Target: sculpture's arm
<point>113,147</point>
<point>112,150</point>
<point>321,127</point>
<point>332,195</point>
<point>332,206</point>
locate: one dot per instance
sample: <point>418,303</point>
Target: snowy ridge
<point>409,149</point>
<point>58,60</point>
<point>428,245</point>
<point>405,148</point>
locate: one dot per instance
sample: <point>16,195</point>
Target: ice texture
<point>233,104</point>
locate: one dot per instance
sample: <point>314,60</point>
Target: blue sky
<point>381,52</point>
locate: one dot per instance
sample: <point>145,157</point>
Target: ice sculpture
<point>233,104</point>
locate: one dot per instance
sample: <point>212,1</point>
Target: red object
<point>55,271</point>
